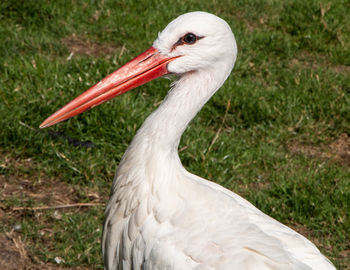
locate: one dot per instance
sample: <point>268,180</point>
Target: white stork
<point>161,216</point>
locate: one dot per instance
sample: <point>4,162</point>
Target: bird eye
<point>190,38</point>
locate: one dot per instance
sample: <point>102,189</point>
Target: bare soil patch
<point>21,180</point>
<point>337,151</point>
<point>42,192</point>
<point>81,46</point>
<point>317,61</point>
<point>21,185</point>
<point>10,254</point>
<point>13,255</point>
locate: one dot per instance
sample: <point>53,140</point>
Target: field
<point>277,133</point>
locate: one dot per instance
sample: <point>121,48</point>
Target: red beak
<point>142,69</point>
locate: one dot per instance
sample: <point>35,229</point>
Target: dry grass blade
<point>39,208</point>
<point>219,130</point>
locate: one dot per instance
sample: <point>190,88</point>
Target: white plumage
<point>162,217</point>
<point>159,215</point>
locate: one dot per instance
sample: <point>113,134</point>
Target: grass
<point>289,106</point>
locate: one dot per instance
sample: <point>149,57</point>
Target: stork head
<point>203,41</point>
<point>192,42</point>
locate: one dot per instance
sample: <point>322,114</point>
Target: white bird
<point>161,216</point>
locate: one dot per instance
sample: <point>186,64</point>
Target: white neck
<point>152,157</point>
<point>164,127</point>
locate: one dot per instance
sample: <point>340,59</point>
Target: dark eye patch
<point>190,38</point>
<point>187,39</point>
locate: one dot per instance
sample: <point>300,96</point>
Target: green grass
<point>290,86</point>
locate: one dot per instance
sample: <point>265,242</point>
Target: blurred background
<point>277,133</point>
